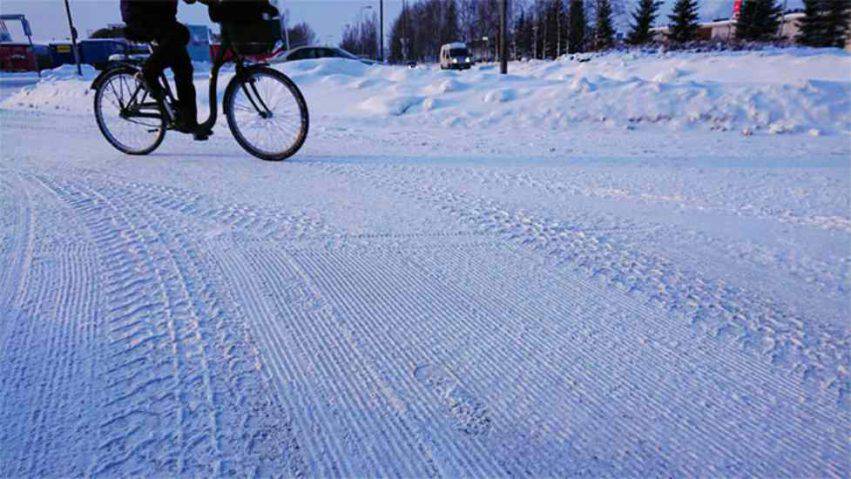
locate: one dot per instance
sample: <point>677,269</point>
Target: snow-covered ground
<point>459,275</point>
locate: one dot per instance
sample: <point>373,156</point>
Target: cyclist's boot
<point>201,134</point>
<point>187,121</point>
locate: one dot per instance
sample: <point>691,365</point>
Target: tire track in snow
<point>13,278</point>
<point>148,372</point>
<point>181,388</point>
<point>359,293</point>
<point>264,223</point>
<point>816,276</point>
<point>342,388</point>
<point>581,341</point>
<point>816,354</point>
<point>48,342</point>
<point>551,380</point>
<point>745,368</point>
<point>447,325</point>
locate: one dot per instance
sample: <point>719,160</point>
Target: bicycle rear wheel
<point>266,113</point>
<point>118,98</point>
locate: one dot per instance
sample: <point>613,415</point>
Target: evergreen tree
<point>836,22</point>
<point>811,26</point>
<point>759,20</point>
<point>825,23</point>
<point>604,34</point>
<point>576,27</point>
<point>683,26</point>
<point>643,19</point>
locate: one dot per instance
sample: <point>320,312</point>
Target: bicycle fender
<point>103,74</point>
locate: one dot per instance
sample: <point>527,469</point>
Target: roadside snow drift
<point>773,91</point>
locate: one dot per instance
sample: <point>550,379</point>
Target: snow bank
<point>774,91</point>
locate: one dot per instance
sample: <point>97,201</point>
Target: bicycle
<point>266,112</point>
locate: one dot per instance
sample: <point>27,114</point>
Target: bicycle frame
<point>133,109</point>
<point>240,71</point>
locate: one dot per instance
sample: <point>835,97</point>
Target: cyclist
<point>156,20</point>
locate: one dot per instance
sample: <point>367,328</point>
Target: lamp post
<point>73,39</point>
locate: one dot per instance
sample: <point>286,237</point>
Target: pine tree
<point>811,26</point>
<point>604,34</point>
<point>825,23</point>
<point>576,27</point>
<point>758,20</point>
<point>683,26</point>
<point>836,22</point>
<point>643,19</point>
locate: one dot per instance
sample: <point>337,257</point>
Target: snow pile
<point>774,91</point>
<point>59,89</point>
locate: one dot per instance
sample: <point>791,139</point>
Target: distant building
<point>724,30</point>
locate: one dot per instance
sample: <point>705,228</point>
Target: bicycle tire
<point>304,117</point>
<point>105,130</point>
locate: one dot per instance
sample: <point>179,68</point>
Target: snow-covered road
<point>659,311</point>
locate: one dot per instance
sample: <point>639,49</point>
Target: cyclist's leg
<point>146,32</point>
<point>153,68</point>
<point>173,44</point>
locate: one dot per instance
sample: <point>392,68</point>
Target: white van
<point>455,56</point>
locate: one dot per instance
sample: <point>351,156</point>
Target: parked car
<point>314,52</point>
<point>455,56</point>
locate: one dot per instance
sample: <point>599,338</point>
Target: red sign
<point>737,8</point>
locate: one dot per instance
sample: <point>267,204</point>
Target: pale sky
<point>48,21</point>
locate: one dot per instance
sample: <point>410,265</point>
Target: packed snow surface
<point>439,284</point>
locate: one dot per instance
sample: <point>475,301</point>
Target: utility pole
<point>73,39</point>
<point>503,36</point>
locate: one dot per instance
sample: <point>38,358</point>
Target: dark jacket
<point>238,11</point>
<point>148,11</point>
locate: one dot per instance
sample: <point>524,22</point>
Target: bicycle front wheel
<point>266,113</point>
<point>127,115</point>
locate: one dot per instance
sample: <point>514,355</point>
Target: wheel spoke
<point>276,134</point>
<point>128,134</point>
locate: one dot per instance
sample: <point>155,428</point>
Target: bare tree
<point>361,38</point>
